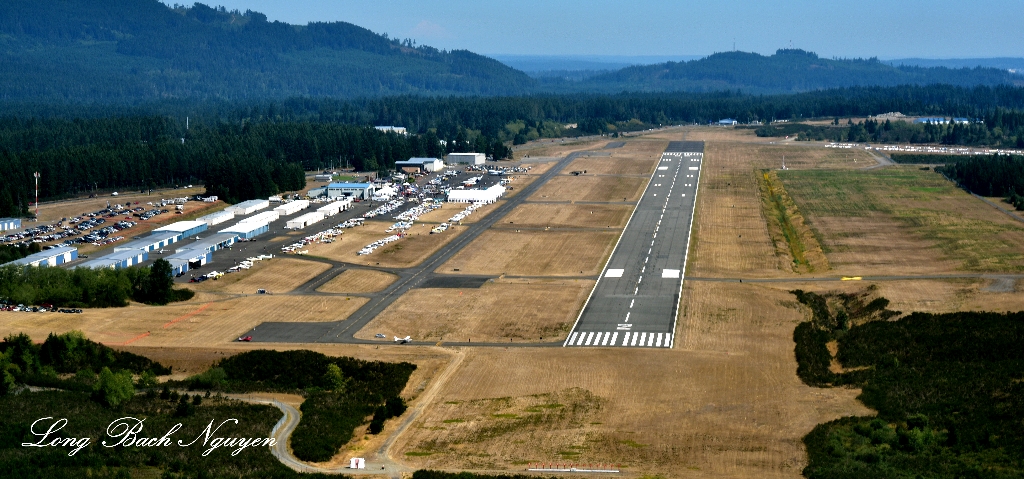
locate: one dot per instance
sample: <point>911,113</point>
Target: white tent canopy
<point>490,195</point>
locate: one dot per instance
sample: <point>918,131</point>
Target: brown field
<point>533,253</point>
<point>359,281</point>
<point>495,312</point>
<point>900,220</point>
<point>614,165</point>
<point>591,188</point>
<point>203,321</point>
<point>730,236</point>
<point>538,167</point>
<point>558,147</point>
<point>736,408</point>
<point>278,275</point>
<point>567,216</point>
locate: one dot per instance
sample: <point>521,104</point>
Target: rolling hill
<point>59,52</point>
<point>787,71</point>
<point>132,50</point>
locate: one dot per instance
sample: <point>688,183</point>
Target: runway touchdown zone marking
<point>630,339</point>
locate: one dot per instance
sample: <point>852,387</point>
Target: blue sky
<point>865,28</point>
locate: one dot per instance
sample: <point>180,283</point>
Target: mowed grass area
<point>730,237</point>
<point>591,188</point>
<point>496,312</point>
<point>204,321</point>
<point>902,219</point>
<point>725,402</point>
<point>358,281</point>
<point>277,275</point>
<point>534,253</point>
<point>539,215</point>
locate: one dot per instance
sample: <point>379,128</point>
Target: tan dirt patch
<point>590,188</point>
<point>359,281</point>
<point>615,165</point>
<point>567,216</point>
<point>206,322</point>
<point>495,312</point>
<point>277,275</point>
<point>534,253</point>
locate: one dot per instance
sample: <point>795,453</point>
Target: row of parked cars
<point>37,309</point>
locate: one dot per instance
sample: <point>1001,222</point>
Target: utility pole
<point>36,175</point>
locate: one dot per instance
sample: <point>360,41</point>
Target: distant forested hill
<point>787,71</point>
<point>132,50</point>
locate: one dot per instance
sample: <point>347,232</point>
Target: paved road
<point>342,331</point>
<point>636,299</point>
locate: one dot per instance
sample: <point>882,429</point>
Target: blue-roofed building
<point>51,257</point>
<point>419,165</point>
<point>363,191</point>
<point>932,120</point>
<point>9,224</point>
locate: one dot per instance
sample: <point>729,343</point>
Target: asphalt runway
<point>636,300</point>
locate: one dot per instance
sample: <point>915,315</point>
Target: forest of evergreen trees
<point>236,161</point>
<point>252,149</point>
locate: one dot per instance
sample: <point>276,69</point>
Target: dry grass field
<point>534,253</point>
<point>558,147</point>
<point>591,188</point>
<point>901,220</point>
<point>203,321</point>
<point>612,166</point>
<point>359,281</point>
<point>725,402</point>
<point>278,275</point>
<point>495,312</point>
<point>730,237</point>
<point>539,215</point>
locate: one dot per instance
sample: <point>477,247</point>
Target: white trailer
<point>264,217</point>
<point>249,207</point>
<point>304,220</point>
<point>292,207</point>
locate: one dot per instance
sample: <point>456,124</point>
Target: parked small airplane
<point>407,339</point>
<point>245,338</point>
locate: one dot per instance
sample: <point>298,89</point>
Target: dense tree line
<point>247,150</point>
<point>998,128</point>
<point>23,361</point>
<point>236,161</point>
<point>10,253</point>
<point>915,158</point>
<point>340,392</point>
<point>946,388</point>
<point>89,418</point>
<point>84,287</point>
<point>989,176</point>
